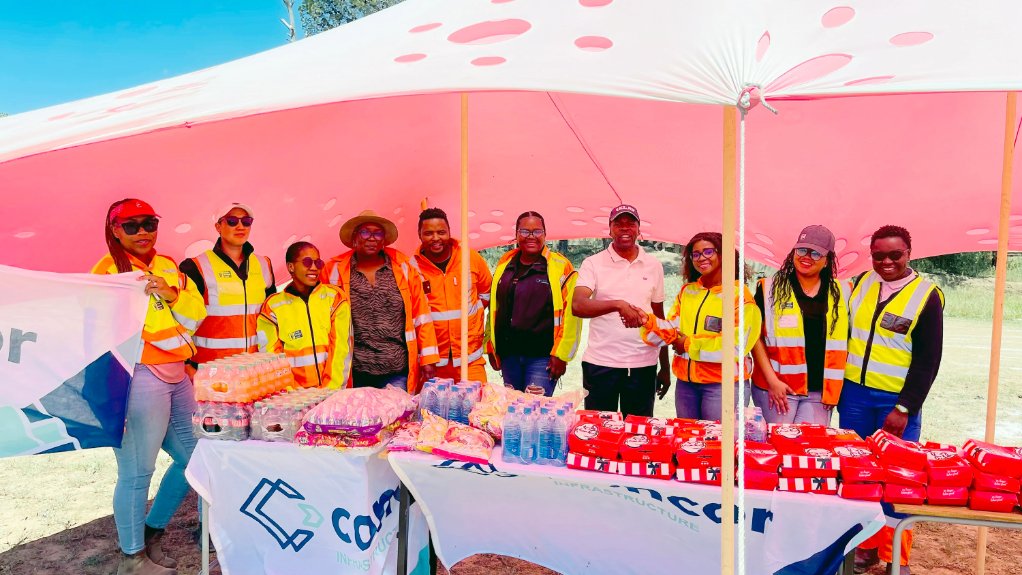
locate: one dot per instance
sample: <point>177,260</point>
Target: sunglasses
<point>893,255</point>
<point>131,227</point>
<point>377,235</point>
<point>309,263</point>
<point>803,252</point>
<point>234,220</point>
<point>530,233</point>
<point>707,253</point>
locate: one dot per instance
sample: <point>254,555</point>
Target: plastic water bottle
<point>468,402</point>
<point>511,445</point>
<point>430,398</point>
<point>559,439</point>
<point>544,429</point>
<point>760,426</point>
<point>442,395</point>
<point>456,403</point>
<point>530,439</point>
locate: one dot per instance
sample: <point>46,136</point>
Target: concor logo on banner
<point>282,512</point>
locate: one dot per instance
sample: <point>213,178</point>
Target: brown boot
<point>154,548</point>
<point>864,559</point>
<point>140,564</point>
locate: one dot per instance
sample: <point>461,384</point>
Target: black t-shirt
<point>525,310</point>
<point>443,265</point>
<point>814,321</point>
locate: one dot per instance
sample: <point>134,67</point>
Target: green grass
<point>974,299</point>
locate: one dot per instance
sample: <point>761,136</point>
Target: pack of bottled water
<point>279,417</point>
<point>225,390</point>
<point>536,432</point>
<point>449,399</point>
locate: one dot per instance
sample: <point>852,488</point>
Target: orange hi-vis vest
<point>232,306</point>
<point>443,291</point>
<point>315,335</point>
<point>562,277</point>
<point>697,313</point>
<point>785,340</point>
<point>420,338</point>
<point>168,329</point>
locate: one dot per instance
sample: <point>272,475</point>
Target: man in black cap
<point>616,289</point>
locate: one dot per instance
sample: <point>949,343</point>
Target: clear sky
<point>54,51</point>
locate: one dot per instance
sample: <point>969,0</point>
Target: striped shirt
<point>378,319</point>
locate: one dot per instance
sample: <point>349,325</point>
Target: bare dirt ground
<point>55,509</point>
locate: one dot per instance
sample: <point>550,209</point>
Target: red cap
<point>130,209</point>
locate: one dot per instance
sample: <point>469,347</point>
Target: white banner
<point>280,509</point>
<point>68,347</point>
<point>579,522</point>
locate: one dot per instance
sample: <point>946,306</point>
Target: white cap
<point>227,209</point>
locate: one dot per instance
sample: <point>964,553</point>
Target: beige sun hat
<point>347,232</point>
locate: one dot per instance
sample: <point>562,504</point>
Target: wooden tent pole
<point>727,377</point>
<point>465,251</point>
<point>1000,277</point>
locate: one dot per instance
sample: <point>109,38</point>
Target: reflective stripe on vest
<point>784,339</point>
<point>890,349</point>
<point>457,361</point>
<point>232,306</point>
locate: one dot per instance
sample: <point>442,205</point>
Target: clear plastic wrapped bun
<point>465,443</point>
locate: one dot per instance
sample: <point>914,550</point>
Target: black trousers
<point>633,387</point>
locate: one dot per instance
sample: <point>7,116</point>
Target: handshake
<point>631,316</point>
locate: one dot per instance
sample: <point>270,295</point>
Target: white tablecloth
<point>281,509</point>
<point>580,522</point>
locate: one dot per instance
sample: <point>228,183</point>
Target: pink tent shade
<point>577,105</point>
<point>931,163</point>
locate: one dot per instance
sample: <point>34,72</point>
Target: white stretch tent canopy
<point>577,111</point>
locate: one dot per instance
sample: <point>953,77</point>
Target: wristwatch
<point>901,408</point>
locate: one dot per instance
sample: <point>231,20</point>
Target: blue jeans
<point>520,371</point>
<point>801,408</point>
<point>159,415</point>
<point>864,409</point>
<point>362,379</point>
<point>702,400</point>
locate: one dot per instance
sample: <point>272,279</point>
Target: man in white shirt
<point>617,288</point>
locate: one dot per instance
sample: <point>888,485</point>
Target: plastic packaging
<point>511,445</point>
<point>465,443</point>
<point>361,411</point>
<point>432,432</point>
<point>560,439</point>
<point>406,437</point>
<point>530,436</point>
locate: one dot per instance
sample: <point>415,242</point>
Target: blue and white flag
<point>68,346</point>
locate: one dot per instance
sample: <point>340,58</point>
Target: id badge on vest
<point>713,324</point>
<point>895,323</point>
<point>787,320</point>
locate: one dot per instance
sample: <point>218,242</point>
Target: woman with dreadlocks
<point>800,358</point>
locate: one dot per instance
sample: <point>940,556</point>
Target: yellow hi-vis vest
<point>562,276</point>
<point>316,336</point>
<point>168,328</point>
<point>232,306</point>
<point>880,344</point>
<point>697,313</point>
<point>784,337</point>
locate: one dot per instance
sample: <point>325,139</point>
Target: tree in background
<point>968,264</point>
<point>321,15</point>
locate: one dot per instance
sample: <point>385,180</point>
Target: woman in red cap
<point>160,400</point>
